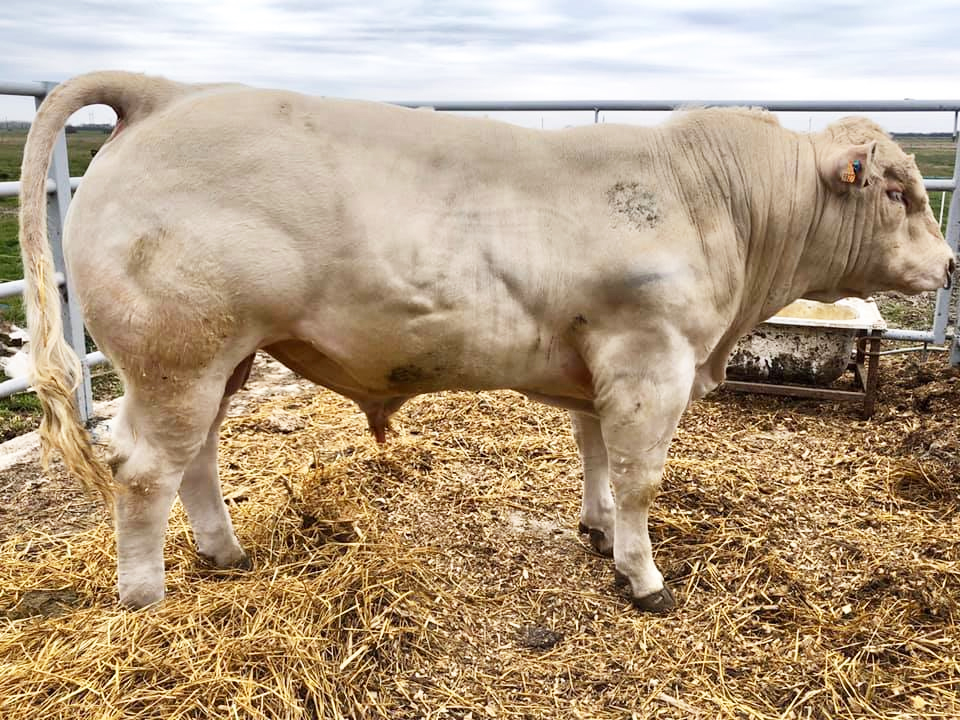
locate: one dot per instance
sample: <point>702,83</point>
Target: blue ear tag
<point>857,166</point>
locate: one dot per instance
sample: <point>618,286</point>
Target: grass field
<point>79,145</point>
<point>935,156</point>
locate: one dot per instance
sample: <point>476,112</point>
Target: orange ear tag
<point>850,174</point>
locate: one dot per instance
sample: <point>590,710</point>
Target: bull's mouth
<point>921,286</point>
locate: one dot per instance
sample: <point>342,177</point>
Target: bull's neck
<point>833,264</point>
<point>777,214</point>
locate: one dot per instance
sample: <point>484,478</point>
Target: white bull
<point>384,252</point>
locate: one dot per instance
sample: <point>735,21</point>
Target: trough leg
<point>597,508</point>
<point>873,375</point>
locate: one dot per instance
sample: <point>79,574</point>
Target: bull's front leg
<point>639,412</point>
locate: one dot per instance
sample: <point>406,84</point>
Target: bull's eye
<point>898,197</point>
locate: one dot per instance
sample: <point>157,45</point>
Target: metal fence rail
<point>667,105</point>
<point>59,187</point>
<point>29,89</point>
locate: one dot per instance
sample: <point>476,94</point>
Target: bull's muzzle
<point>951,266</point>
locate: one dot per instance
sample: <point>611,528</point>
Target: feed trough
<point>809,345</point>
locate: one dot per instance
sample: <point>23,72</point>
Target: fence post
<point>57,205</point>
<point>953,238</point>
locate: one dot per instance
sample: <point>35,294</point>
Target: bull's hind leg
<point>201,495</point>
<point>597,507</point>
<point>157,434</point>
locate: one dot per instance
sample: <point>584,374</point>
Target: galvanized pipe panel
<point>942,311</point>
<point>666,105</point>
<point>916,336</point>
<point>38,90</point>
<point>12,188</point>
<point>16,287</point>
<point>35,89</point>
<point>57,207</point>
<point>95,358</point>
<point>15,385</point>
<point>22,384</point>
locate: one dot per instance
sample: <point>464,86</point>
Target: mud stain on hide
<point>140,259</point>
<point>637,205</point>
<point>406,374</point>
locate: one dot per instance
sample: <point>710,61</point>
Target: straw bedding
<point>815,557</point>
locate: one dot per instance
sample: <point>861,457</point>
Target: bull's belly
<point>565,383</point>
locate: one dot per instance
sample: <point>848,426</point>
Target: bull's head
<point>877,209</point>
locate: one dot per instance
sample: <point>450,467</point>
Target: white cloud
<point>504,49</point>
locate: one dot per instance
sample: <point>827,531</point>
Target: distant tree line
<point>89,127</point>
<point>21,126</point>
<point>931,135</point>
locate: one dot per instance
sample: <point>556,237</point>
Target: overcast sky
<point>504,49</point>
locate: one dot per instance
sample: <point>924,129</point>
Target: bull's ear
<point>848,166</point>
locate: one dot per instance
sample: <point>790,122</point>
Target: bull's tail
<point>56,370</point>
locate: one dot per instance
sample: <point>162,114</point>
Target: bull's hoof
<point>236,562</point>
<point>659,602</point>
<point>137,598</point>
<point>244,563</point>
<point>598,540</point>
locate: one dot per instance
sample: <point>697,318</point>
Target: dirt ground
<point>36,500</point>
<point>815,556</point>
<point>51,502</point>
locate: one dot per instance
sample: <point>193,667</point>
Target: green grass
<point>21,413</point>
<point>79,147</point>
<point>935,155</point>
<point>11,153</point>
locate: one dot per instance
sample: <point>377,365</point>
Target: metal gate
<point>60,185</point>
<point>59,188</point>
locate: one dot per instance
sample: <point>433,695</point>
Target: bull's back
<point>464,244</point>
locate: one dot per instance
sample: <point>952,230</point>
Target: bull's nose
<point>951,266</point>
